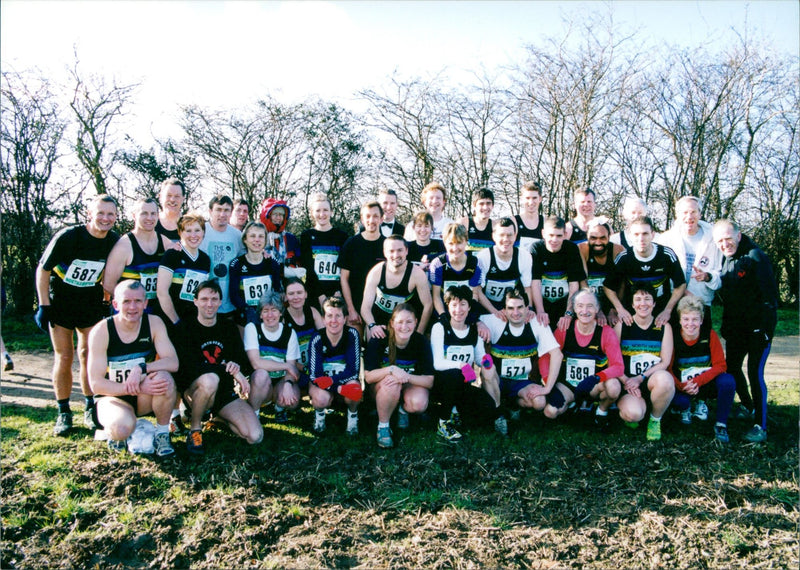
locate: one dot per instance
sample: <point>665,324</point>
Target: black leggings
<point>756,347</point>
<point>474,404</point>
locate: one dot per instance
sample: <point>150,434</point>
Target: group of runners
<point>466,320</point>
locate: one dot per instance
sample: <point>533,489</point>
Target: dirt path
<point>29,384</point>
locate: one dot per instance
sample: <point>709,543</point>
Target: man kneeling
<point>211,350</point>
<point>130,360</point>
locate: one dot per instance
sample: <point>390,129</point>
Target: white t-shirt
<point>222,247</point>
<point>251,340</point>
<point>544,337</point>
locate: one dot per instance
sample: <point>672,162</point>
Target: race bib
<point>447,284</point>
<point>596,284</point>
<point>496,290</point>
<point>149,282</point>
<point>387,303</point>
<point>255,288</point>
<point>554,289</point>
<point>190,282</point>
<point>578,369</point>
<point>83,273</point>
<point>118,370</point>
<point>516,368</point>
<point>327,266</point>
<point>333,368</point>
<point>692,373</point>
<point>459,353</point>
<point>641,362</point>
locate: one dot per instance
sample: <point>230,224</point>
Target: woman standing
<point>252,275</point>
<point>182,270</point>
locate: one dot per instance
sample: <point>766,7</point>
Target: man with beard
<point>598,256</point>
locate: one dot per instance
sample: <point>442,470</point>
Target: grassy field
<point>552,495</point>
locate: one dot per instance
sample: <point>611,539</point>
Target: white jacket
<point>708,257</point>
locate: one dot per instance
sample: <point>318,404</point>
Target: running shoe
<point>9,364</point>
<point>721,433</point>
<point>385,438</point>
<point>700,411</point>
<point>319,423</point>
<point>88,419</point>
<point>686,416</point>
<point>741,412</point>
<point>63,424</point>
<point>756,435</point>
<point>602,423</point>
<point>501,426</point>
<point>447,431</point>
<point>455,419</point>
<point>117,445</point>
<point>352,425</point>
<point>403,421</point>
<point>194,442</point>
<point>653,430</point>
<point>163,445</point>
<point>281,416</point>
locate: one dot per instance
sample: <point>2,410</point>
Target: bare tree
<point>96,106</point>
<point>252,154</point>
<point>30,139</point>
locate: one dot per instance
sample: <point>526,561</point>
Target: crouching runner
<point>647,353</point>
<point>210,350</point>
<point>699,368</point>
<point>457,350</point>
<point>526,357</point>
<point>399,367</point>
<point>592,360</point>
<point>130,360</point>
<point>272,347</point>
<point>334,364</point>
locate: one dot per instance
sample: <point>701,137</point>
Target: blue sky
<point>229,53</point>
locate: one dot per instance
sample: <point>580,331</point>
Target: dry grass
<point>552,496</point>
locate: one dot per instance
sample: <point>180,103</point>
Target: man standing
<point>241,213</point>
<point>212,363</point>
<point>389,225</point>
<point>557,273</point>
<point>130,360</point>
<point>72,268</point>
<point>358,256</point>
<point>645,263</point>
<point>692,241</point>
<point>223,243</point>
<point>171,196</point>
<point>598,255</point>
<point>504,267</point>
<point>392,282</point>
<point>749,314</point>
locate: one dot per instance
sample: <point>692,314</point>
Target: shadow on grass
<point>553,476</point>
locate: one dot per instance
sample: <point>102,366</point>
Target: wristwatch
<point>569,314</point>
<point>143,367</point>
<point>371,325</point>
